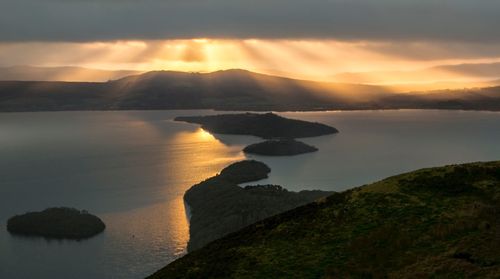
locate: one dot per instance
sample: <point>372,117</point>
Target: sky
<point>314,39</point>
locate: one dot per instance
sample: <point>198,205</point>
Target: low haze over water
<point>132,168</point>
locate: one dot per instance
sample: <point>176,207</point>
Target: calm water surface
<point>132,168</point>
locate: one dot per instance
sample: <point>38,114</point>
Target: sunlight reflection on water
<point>132,168</point>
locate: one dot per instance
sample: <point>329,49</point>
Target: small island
<point>57,222</point>
<point>281,147</point>
<point>245,171</point>
<point>267,125</point>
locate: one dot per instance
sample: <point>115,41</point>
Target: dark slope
<point>241,89</point>
<point>268,125</point>
<point>231,89</point>
<point>54,96</point>
<point>219,206</point>
<point>432,223</point>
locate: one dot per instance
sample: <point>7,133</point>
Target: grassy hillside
<point>432,223</point>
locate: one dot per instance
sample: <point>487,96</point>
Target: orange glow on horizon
<point>320,60</point>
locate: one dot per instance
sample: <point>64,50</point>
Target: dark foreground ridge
<point>268,125</point>
<point>282,147</point>
<point>57,222</point>
<point>219,206</point>
<point>432,223</point>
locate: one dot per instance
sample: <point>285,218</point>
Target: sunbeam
<point>360,62</point>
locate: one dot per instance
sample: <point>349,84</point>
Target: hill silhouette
<point>225,90</point>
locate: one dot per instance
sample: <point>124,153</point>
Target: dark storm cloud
<point>93,20</point>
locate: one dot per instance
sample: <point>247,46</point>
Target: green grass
<point>432,223</point>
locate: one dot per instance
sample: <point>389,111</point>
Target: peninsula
<point>267,125</point>
<point>57,222</point>
<point>219,206</point>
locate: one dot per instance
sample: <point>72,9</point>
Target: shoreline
<point>255,111</point>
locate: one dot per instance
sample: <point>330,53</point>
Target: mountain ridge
<point>227,90</point>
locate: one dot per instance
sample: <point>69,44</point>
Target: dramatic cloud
<point>380,41</point>
<point>93,20</point>
<point>375,62</point>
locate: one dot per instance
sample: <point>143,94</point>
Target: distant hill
<point>241,89</point>
<point>439,77</point>
<point>32,73</point>
<point>443,85</point>
<point>487,98</point>
<point>432,223</point>
<point>226,90</point>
